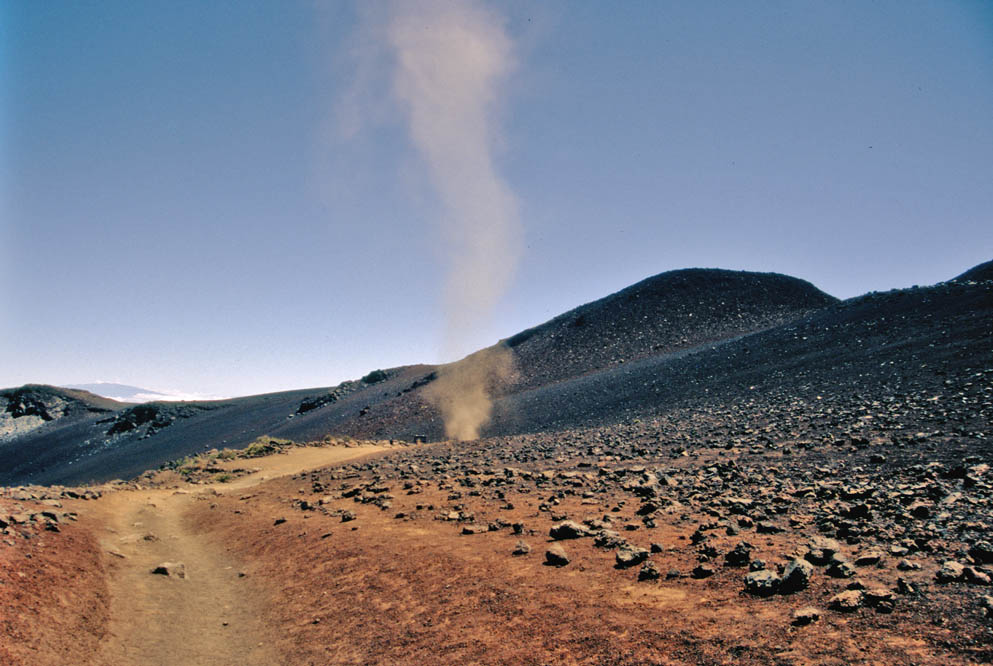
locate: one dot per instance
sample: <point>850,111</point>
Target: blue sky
<point>182,210</point>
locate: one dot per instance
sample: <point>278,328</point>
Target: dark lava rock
<point>848,601</point>
<point>703,571</point>
<point>821,550</point>
<point>172,569</point>
<point>840,568</point>
<point>739,555</point>
<point>649,572</point>
<point>556,556</point>
<point>805,616</point>
<point>630,556</point>
<point>767,527</point>
<point>950,572</point>
<point>982,552</point>
<point>762,583</point>
<point>568,530</point>
<point>796,576</point>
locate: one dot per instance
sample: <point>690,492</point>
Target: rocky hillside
<point>34,406</point>
<point>981,273</point>
<point>685,339</point>
<point>663,314</point>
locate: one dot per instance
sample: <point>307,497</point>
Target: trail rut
<point>213,616</point>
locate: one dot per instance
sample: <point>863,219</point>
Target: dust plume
<point>462,390</point>
<point>449,60</point>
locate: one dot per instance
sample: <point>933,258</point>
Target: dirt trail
<point>212,616</point>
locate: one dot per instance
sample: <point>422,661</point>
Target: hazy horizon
<point>245,197</point>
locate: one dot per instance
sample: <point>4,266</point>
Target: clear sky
<point>236,197</point>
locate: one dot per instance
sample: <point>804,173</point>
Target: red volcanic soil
<point>53,589</point>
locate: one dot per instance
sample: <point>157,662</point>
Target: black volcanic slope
<point>684,340</point>
<point>668,313</point>
<point>981,273</point>
<point>665,313</point>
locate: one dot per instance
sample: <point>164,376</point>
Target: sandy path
<point>212,616</point>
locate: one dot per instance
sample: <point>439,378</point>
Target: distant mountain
<point>126,393</point>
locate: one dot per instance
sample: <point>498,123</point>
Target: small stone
<point>847,602</point>
<point>796,576</point>
<point>840,568</point>
<point>868,558</point>
<point>649,572</point>
<point>881,599</point>
<point>568,530</point>
<point>172,569</point>
<point>629,556</point>
<point>763,583</point>
<point>805,616</point>
<point>821,550</point>
<point>907,565</point>
<point>767,527</point>
<point>987,603</point>
<point>703,571</point>
<point>556,556</point>
<point>976,576</point>
<point>982,552</point>
<point>522,548</point>
<point>950,572</point>
<point>279,521</point>
<point>739,555</point>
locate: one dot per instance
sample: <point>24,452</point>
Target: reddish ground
<point>53,595</point>
<point>382,589</point>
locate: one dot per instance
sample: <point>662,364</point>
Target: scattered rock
<point>796,576</point>
<point>649,572</point>
<point>739,555</point>
<point>629,556</point>
<point>805,616</point>
<point>568,530</point>
<point>821,550</point>
<point>950,572</point>
<point>848,601</point>
<point>556,556</point>
<point>172,569</point>
<point>840,568</point>
<point>703,571</point>
<point>763,583</point>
